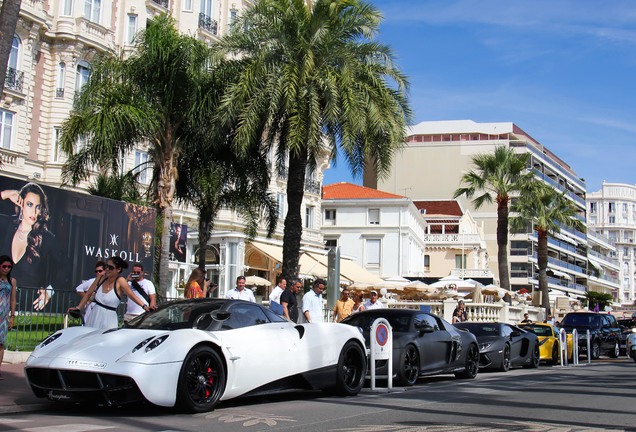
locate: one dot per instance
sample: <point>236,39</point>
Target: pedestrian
<point>460,311</point>
<point>143,288</point>
<point>274,297</point>
<point>81,289</point>
<point>343,307</point>
<point>312,303</point>
<point>373,302</point>
<point>358,305</point>
<point>197,285</point>
<point>289,301</point>
<point>240,292</point>
<point>526,319</point>
<point>7,302</point>
<point>108,290</point>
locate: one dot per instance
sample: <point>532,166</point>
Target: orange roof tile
<point>344,190</point>
<point>446,207</point>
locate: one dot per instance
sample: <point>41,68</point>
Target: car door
<point>518,344</point>
<point>252,340</point>
<point>435,346</point>
<point>611,332</point>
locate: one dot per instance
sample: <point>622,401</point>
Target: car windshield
<point>538,330</point>
<point>174,316</point>
<point>399,323</point>
<point>581,320</point>
<point>481,329</point>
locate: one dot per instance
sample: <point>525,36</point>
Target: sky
<point>563,71</point>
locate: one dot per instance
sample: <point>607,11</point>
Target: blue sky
<point>563,71</point>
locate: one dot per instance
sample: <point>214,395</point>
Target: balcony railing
<point>162,3</point>
<point>312,186</point>
<point>455,239</point>
<point>14,79</point>
<point>207,23</point>
<point>59,93</point>
<point>603,257</point>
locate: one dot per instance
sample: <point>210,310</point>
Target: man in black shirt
<point>288,300</point>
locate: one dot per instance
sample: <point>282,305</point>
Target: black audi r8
<point>502,346</point>
<point>423,344</point>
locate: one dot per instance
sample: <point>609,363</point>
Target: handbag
<point>277,308</point>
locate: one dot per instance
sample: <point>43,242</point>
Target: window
<point>233,17</point>
<point>61,79</point>
<point>280,200</point>
<point>309,217</point>
<point>374,216</point>
<point>612,219</point>
<point>6,128</point>
<point>592,207</point>
<point>55,154</point>
<point>67,8</point>
<point>131,30</point>
<point>611,207</point>
<point>187,5</point>
<point>372,253</point>
<point>624,207</point>
<point>82,75</point>
<point>330,217</point>
<point>425,319</point>
<point>14,53</point>
<point>331,243</point>
<point>458,261</point>
<point>141,167</point>
<point>206,7</point>
<point>427,262</point>
<point>92,10</point>
<point>82,142</point>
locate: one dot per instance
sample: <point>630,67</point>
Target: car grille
<point>77,386</point>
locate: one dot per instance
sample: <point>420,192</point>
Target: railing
<point>14,79</point>
<point>312,186</point>
<point>562,244</point>
<point>560,187</point>
<point>570,177</point>
<point>162,3</point>
<point>207,23</point>
<point>59,93</point>
<point>603,257</point>
<point>472,273</point>
<point>452,238</point>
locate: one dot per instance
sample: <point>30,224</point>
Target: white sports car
<point>195,353</point>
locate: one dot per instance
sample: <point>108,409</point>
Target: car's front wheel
<point>352,369</point>
<point>595,350</point>
<point>505,359</point>
<point>409,366</point>
<point>536,357</point>
<point>555,354</point>
<point>471,366</point>
<point>614,353</point>
<point>201,380</point>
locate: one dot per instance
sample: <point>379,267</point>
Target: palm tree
<point>313,83</point>
<point>497,177</point>
<point>122,187</point>
<point>543,207</point>
<point>150,97</point>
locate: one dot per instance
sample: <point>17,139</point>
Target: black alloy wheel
<point>409,366</point>
<point>596,350</point>
<point>201,380</point>
<point>555,354</point>
<point>472,363</point>
<point>505,359</point>
<point>352,369</point>
<point>614,353</point>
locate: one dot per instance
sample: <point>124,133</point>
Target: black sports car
<point>502,345</point>
<point>423,344</point>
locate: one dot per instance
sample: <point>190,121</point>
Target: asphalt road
<point>600,396</point>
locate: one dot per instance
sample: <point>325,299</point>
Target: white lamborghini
<point>195,353</point>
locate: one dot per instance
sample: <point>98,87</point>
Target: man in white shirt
<point>240,292</point>
<point>313,304</point>
<point>143,289</point>
<point>373,302</point>
<point>82,288</point>
<point>277,291</point>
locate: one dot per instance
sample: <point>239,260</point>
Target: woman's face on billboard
<point>31,208</point>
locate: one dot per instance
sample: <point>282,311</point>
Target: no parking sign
<point>381,348</point>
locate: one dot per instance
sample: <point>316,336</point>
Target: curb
<point>16,356</point>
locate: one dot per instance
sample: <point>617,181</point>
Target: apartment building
<point>53,47</point>
<point>438,153</point>
<point>612,213</point>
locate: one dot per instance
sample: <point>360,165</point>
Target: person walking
<point>312,303</point>
<point>343,307</point>
<point>289,301</point>
<point>373,302</point>
<point>81,289</point>
<point>358,305</point>
<point>7,302</point>
<point>143,288</point>
<point>240,292</point>
<point>274,297</point>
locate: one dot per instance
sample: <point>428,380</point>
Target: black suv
<point>605,333</point>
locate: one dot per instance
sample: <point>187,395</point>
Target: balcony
<point>312,186</point>
<point>472,273</point>
<point>207,23</point>
<point>160,3</point>
<point>14,79</point>
<point>59,93</point>
<point>452,239</point>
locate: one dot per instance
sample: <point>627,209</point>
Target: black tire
<point>352,369</point>
<point>505,359</point>
<point>614,353</point>
<point>201,380</point>
<point>555,354</point>
<point>409,366</point>
<point>535,358</point>
<point>472,363</point>
<point>595,350</point>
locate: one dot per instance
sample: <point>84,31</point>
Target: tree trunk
<point>502,244</point>
<point>8,21</point>
<point>293,221</point>
<point>204,237</point>
<point>542,258</point>
<point>165,191</point>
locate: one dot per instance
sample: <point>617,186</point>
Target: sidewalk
<point>15,395</point>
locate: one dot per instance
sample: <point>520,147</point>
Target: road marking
<point>69,428</point>
<point>251,419</point>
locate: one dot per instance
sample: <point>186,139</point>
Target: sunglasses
<point>111,267</point>
<point>7,266</point>
<point>99,271</point>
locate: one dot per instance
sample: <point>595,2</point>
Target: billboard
<point>55,236</point>
<point>178,242</point>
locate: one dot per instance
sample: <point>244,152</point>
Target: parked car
<point>605,334</point>
<point>195,353</point>
<point>423,344</point>
<point>626,326</point>
<point>502,346</point>
<point>549,341</point>
<point>631,344</point>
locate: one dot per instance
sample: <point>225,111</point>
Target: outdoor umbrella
<point>256,281</point>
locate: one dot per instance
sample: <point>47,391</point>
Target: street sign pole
<point>381,349</point>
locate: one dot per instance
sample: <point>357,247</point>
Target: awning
<point>274,252</point>
<point>350,270</point>
<point>566,239</point>
<point>310,268</point>
<point>560,273</point>
<point>593,263</point>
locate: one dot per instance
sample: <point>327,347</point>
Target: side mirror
<point>424,327</point>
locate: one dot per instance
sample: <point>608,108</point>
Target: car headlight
<point>484,346</point>
<point>155,343</point>
<point>141,344</point>
<point>50,339</point>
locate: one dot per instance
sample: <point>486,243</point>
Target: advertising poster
<point>55,236</point>
<point>178,242</point>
